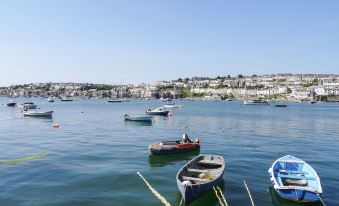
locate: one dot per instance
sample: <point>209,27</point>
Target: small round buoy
<point>82,112</point>
<point>56,125</point>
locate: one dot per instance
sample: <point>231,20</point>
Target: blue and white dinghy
<point>295,180</point>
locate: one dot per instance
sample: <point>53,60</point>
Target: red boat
<point>170,147</point>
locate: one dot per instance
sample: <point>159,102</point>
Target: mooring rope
<point>216,194</point>
<point>156,193</point>
<point>321,200</point>
<point>249,193</point>
<point>223,197</point>
<point>181,201</point>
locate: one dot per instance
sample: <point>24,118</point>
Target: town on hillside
<point>287,87</point>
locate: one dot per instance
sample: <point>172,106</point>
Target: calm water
<point>93,157</point>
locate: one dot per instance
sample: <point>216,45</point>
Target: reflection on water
<point>163,160</point>
<point>276,200</point>
<point>138,123</point>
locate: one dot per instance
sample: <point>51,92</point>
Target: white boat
<point>28,105</point>
<point>66,99</point>
<point>295,180</point>
<point>158,111</point>
<point>38,114</point>
<point>50,99</point>
<point>255,102</point>
<point>138,118</point>
<point>171,104</point>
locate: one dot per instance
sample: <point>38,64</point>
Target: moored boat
<point>255,102</point>
<point>138,118</point>
<point>66,99</point>
<point>312,102</point>
<point>295,180</point>
<point>199,176</point>
<point>280,105</point>
<point>175,146</point>
<point>50,99</point>
<point>28,105</point>
<point>158,111</point>
<point>11,103</point>
<point>38,114</point>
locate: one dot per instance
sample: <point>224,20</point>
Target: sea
<point>93,157</point>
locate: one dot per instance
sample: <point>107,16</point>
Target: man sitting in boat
<point>185,139</point>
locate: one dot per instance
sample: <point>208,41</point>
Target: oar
<point>249,193</point>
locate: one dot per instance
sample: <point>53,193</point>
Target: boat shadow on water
<point>163,160</point>
<point>138,123</point>
<point>276,200</point>
<point>209,198</point>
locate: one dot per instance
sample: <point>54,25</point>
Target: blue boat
<point>199,176</point>
<point>295,180</point>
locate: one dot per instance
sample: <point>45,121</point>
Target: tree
<point>179,80</point>
<point>240,76</point>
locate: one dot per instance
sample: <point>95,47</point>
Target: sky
<point>136,41</point>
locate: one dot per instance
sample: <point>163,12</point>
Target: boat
<point>295,180</point>
<point>312,102</point>
<point>38,114</point>
<point>280,105</point>
<point>28,105</point>
<point>114,101</point>
<point>138,118</point>
<point>50,99</point>
<point>11,103</point>
<point>66,99</point>
<point>158,111</point>
<point>171,104</point>
<point>175,146</point>
<point>228,100</point>
<point>255,102</point>
<point>199,176</point>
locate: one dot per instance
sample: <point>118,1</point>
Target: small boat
<point>158,111</point>
<point>199,176</point>
<point>171,104</point>
<point>280,105</point>
<point>66,99</point>
<point>295,180</point>
<point>175,146</point>
<point>38,114</point>
<point>255,102</point>
<point>11,103</point>
<point>28,105</point>
<point>50,99</point>
<point>312,102</point>
<point>228,100</point>
<point>114,101</point>
<point>138,118</point>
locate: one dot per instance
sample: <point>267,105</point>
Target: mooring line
<point>249,193</point>
<point>223,197</point>
<point>216,194</point>
<point>156,193</point>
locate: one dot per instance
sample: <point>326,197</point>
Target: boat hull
<point>12,104</point>
<point>159,149</point>
<point>139,119</point>
<point>162,113</point>
<point>38,114</point>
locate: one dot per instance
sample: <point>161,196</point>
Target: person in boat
<point>185,139</point>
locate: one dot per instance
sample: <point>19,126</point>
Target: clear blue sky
<point>144,41</point>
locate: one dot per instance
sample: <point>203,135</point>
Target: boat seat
<point>194,179</point>
<point>291,176</point>
<point>196,170</point>
<point>210,162</point>
<point>292,171</point>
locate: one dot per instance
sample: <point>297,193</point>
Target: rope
<point>182,198</point>
<point>223,197</point>
<point>156,193</point>
<point>321,200</point>
<point>249,193</point>
<point>216,194</point>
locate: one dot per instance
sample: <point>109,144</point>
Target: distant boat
<point>295,180</point>
<point>66,99</point>
<point>11,103</point>
<point>158,111</point>
<point>38,114</point>
<point>118,100</point>
<point>176,146</point>
<point>28,105</point>
<point>199,176</point>
<point>312,102</point>
<point>171,104</point>
<point>255,102</point>
<point>50,99</point>
<point>280,105</point>
<point>228,100</point>
<point>138,118</point>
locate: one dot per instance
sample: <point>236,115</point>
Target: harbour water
<point>92,159</point>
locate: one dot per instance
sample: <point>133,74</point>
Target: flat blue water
<point>93,157</point>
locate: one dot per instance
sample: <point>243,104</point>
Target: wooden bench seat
<point>194,179</point>
<point>197,170</point>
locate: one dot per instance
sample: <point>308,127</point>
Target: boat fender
<point>161,143</point>
<point>197,140</point>
<point>186,183</point>
<point>56,125</point>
